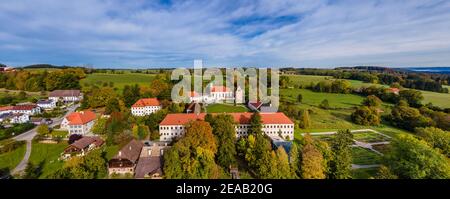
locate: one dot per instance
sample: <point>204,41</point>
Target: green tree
<point>341,164</point>
<point>312,164</point>
<point>130,94</point>
<point>413,97</point>
<point>385,173</point>
<point>324,104</point>
<point>283,167</point>
<point>225,134</point>
<point>99,127</point>
<point>365,115</point>
<point>112,105</point>
<point>372,101</point>
<point>294,160</point>
<point>255,124</point>
<point>436,138</point>
<point>411,158</point>
<point>43,130</point>
<point>299,98</point>
<point>304,121</point>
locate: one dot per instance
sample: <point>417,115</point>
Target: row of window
<point>171,127</point>
<point>172,134</point>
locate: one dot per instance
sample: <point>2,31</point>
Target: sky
<point>260,33</point>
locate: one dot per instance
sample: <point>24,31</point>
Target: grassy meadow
<point>225,108</point>
<point>47,154</point>
<point>119,80</point>
<point>11,159</point>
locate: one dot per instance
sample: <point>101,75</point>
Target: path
<point>29,135</point>
<point>358,166</point>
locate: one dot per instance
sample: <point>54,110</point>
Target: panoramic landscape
<point>314,90</point>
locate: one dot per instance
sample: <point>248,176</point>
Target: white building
<point>218,94</point>
<point>273,124</point>
<point>79,122</point>
<point>30,109</point>
<point>145,107</point>
<point>66,95</point>
<point>14,118</point>
<point>46,104</point>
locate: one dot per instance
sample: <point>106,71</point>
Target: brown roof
<point>146,102</point>
<point>240,118</point>
<point>131,151</point>
<point>148,165</point>
<point>64,93</point>
<point>24,107</point>
<point>86,141</point>
<point>6,108</point>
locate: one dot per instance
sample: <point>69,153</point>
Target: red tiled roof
<point>394,90</point>
<point>81,118</point>
<point>24,107</point>
<point>241,118</point>
<point>6,108</point>
<point>146,102</point>
<point>220,89</point>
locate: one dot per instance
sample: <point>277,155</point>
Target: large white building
<point>66,95</point>
<point>273,124</point>
<point>14,118</point>
<point>145,107</point>
<point>79,122</point>
<point>29,109</point>
<point>217,94</point>
<point>46,104</point>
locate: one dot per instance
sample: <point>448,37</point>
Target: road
<point>29,135</point>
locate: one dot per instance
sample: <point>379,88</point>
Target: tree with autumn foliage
<point>312,162</point>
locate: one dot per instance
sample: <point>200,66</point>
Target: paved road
<point>29,135</point>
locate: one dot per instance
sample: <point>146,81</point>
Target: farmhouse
<point>145,107</point>
<point>29,109</point>
<point>126,160</point>
<point>14,118</point>
<point>273,124</point>
<point>79,122</point>
<point>66,95</point>
<point>82,146</point>
<point>46,104</point>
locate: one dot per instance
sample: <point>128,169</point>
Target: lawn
<point>364,156</point>
<point>225,108</point>
<point>111,151</point>
<point>382,148</point>
<point>364,173</point>
<point>306,80</point>
<point>49,154</point>
<point>369,137</point>
<point>119,80</point>
<point>336,100</point>
<point>59,133</point>
<point>437,99</point>
<point>11,159</point>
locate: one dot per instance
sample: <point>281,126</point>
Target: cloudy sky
<point>152,33</point>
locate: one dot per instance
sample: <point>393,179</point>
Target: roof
<point>86,141</point>
<point>24,107</point>
<point>80,118</point>
<point>241,118</point>
<point>6,108</point>
<point>148,165</point>
<point>146,102</point>
<point>44,101</point>
<point>394,90</point>
<point>131,151</point>
<point>65,93</point>
<point>220,89</point>
<point>256,105</point>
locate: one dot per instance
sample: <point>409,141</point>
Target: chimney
<point>120,153</point>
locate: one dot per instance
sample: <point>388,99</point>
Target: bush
<point>10,145</point>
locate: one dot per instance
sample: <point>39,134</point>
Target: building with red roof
<point>145,106</point>
<point>79,122</point>
<point>274,124</point>
<point>394,90</point>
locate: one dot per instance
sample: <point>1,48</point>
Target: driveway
<point>29,135</point>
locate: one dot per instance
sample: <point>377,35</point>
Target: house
<point>273,124</point>
<point>82,146</point>
<point>46,104</point>
<point>5,109</point>
<point>65,95</point>
<point>145,107</point>
<point>150,160</point>
<point>14,118</point>
<point>79,122</point>
<point>126,159</point>
<point>393,90</point>
<point>217,94</point>
<point>29,109</point>
<point>38,121</point>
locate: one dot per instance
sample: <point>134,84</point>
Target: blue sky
<point>263,33</point>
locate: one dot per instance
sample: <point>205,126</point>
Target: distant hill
<point>367,68</point>
<point>2,65</point>
<point>34,66</point>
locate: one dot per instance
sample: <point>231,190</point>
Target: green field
<point>306,80</point>
<point>364,156</point>
<point>336,100</point>
<point>49,154</point>
<point>11,159</point>
<point>369,137</point>
<point>119,80</point>
<point>364,173</point>
<point>437,99</point>
<point>225,108</point>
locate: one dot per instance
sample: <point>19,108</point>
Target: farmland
<point>119,80</point>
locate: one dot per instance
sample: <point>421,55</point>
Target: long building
<point>273,124</point>
<point>145,107</point>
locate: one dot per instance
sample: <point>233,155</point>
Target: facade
<point>29,109</point>
<point>46,104</point>
<point>14,118</point>
<point>5,109</point>
<point>65,95</point>
<point>126,159</point>
<point>145,107</point>
<point>79,122</point>
<point>273,124</point>
<point>82,146</point>
<point>218,94</point>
